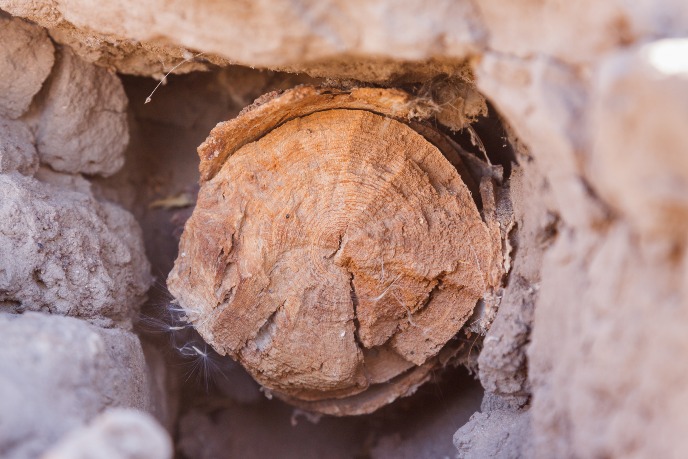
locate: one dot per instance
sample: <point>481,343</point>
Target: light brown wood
<point>333,255</point>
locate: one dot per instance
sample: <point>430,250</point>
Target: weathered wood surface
<point>332,252</point>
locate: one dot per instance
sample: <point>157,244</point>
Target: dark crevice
<point>11,306</point>
<point>38,279</point>
<point>354,301</point>
<point>491,133</point>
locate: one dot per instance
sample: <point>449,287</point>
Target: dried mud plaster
<point>334,249</point>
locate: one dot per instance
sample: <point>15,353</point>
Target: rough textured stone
<point>638,160</point>
<point>612,297</point>
<point>502,363</point>
<point>22,73</point>
<point>63,251</point>
<point>115,434</point>
<point>357,39</point>
<point>58,372</point>
<point>17,149</point>
<point>498,434</point>
<point>374,42</point>
<point>554,28</point>
<point>83,122</point>
<point>606,358</point>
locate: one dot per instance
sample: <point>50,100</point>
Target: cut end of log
<point>333,250</point>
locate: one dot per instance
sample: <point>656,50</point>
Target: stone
<point>599,122</point>
<point>606,362</point>
<point>553,28</point>
<point>62,251</point>
<point>498,434</point>
<point>502,363</point>
<point>116,434</point>
<point>56,373</point>
<point>637,160</point>
<point>322,39</point>
<point>17,149</point>
<point>83,122</point>
<point>26,58</point>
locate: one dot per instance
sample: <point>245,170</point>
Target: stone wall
<point>73,270</point>
<point>585,358</point>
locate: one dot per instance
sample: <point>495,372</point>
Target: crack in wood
<point>354,302</point>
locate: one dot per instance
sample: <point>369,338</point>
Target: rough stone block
<point>26,57</point>
<point>83,123</point>
<point>56,373</point>
<point>64,252</point>
<point>17,150</point>
<point>638,158</point>
<point>116,434</point>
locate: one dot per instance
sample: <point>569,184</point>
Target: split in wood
<point>334,249</point>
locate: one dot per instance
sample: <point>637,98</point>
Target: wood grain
<point>331,255</point>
